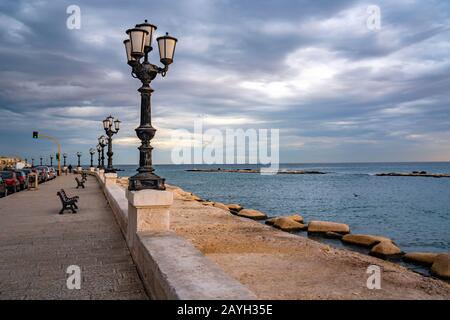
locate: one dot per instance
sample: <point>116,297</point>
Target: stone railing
<point>169,265</point>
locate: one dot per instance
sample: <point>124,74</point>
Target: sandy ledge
<point>278,265</point>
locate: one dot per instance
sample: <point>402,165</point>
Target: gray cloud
<point>337,91</point>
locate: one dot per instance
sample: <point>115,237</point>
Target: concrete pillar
<point>110,178</point>
<point>91,169</point>
<point>79,169</point>
<point>148,210</point>
<point>101,173</point>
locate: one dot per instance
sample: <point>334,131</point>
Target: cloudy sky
<point>337,89</point>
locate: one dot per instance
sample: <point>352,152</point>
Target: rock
<point>441,266</point>
<point>363,240</point>
<point>385,249</point>
<point>426,258</point>
<point>333,235</point>
<point>288,224</point>
<point>208,203</point>
<point>234,207</point>
<point>196,198</point>
<point>326,226</point>
<point>252,214</point>
<point>271,221</point>
<point>220,205</point>
<point>297,218</point>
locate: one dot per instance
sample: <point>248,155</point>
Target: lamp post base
<point>110,170</point>
<point>146,180</point>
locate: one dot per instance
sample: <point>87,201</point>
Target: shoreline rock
<point>385,249</point>
<point>363,240</point>
<point>318,227</point>
<point>288,224</point>
<point>252,214</point>
<point>441,266</point>
<point>220,205</point>
<point>424,258</point>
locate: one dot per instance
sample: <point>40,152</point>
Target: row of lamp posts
<point>137,48</point>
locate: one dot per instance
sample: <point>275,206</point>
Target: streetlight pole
<point>138,46</point>
<point>102,142</point>
<point>79,158</point>
<point>51,160</point>
<point>92,152</point>
<point>32,162</point>
<point>110,131</point>
<point>99,150</point>
<point>40,158</point>
<point>64,156</point>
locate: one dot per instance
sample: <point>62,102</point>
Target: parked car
<point>22,177</point>
<point>52,172</point>
<point>3,188</point>
<point>11,180</point>
<point>28,171</point>
<point>43,173</point>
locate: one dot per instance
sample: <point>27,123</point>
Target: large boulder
<point>363,240</point>
<point>333,235</point>
<point>297,218</point>
<point>441,266</point>
<point>234,207</point>
<point>220,205</point>
<point>288,224</point>
<point>316,226</point>
<point>385,249</point>
<point>252,214</point>
<point>426,258</point>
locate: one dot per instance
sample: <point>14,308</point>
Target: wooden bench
<point>66,198</point>
<point>79,183</point>
<point>66,204</point>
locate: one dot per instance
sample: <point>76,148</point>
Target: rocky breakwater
<point>256,171</point>
<point>414,174</point>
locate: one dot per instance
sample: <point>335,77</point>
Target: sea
<point>413,211</point>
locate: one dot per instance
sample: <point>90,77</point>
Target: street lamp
<point>102,142</point>
<point>32,162</point>
<point>137,46</point>
<point>51,160</point>
<point>92,152</point>
<point>79,157</point>
<point>110,131</point>
<point>64,156</point>
<point>99,150</point>
<point>40,162</point>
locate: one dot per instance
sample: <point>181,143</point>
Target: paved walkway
<point>37,245</point>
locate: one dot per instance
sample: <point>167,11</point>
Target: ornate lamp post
<point>40,162</point>
<point>102,142</point>
<point>92,152</point>
<point>32,162</point>
<point>64,156</point>
<point>110,131</point>
<point>99,150</point>
<point>79,157</point>
<point>138,46</point>
<point>51,160</point>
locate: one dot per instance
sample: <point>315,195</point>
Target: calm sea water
<point>413,211</point>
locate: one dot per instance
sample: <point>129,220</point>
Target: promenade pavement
<point>37,245</point>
